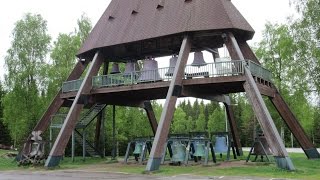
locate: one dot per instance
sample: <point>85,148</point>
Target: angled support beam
<point>233,127</point>
<point>56,104</point>
<point>260,109</point>
<point>151,116</point>
<point>247,52</point>
<point>69,124</point>
<point>174,92</point>
<point>294,126</point>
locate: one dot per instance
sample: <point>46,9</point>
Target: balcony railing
<point>259,71</point>
<point>70,86</point>
<point>225,68</point>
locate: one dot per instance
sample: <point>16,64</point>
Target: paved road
<point>79,175</point>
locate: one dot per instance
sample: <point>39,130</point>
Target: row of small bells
<point>150,65</point>
<point>179,149</point>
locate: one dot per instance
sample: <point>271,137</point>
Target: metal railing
<point>224,68</point>
<point>70,86</point>
<point>161,74</point>
<point>259,71</point>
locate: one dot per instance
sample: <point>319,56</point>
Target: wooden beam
<point>260,109</point>
<point>151,116</point>
<point>169,107</point>
<point>247,52</point>
<point>294,126</point>
<point>55,105</point>
<point>69,124</point>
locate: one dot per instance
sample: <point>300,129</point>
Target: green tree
<point>24,79</point>
<point>201,121</point>
<point>179,124</point>
<point>217,120</point>
<point>4,135</point>
<point>63,54</point>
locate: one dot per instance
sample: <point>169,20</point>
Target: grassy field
<point>306,169</point>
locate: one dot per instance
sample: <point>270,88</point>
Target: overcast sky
<point>62,16</point>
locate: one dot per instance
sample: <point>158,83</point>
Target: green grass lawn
<point>306,169</point>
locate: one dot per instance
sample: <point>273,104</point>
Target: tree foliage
<point>24,79</point>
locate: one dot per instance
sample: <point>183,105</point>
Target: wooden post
<point>233,128</point>
<point>272,135</point>
<point>294,126</point>
<point>152,118</point>
<point>73,114</point>
<point>174,92</point>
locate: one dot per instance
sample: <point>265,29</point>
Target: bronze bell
<point>258,150</point>
<point>173,62</point>
<point>115,69</point>
<point>130,68</point>
<point>149,71</point>
<point>198,59</point>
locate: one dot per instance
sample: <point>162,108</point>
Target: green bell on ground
<point>200,149</point>
<point>178,151</point>
<point>138,148</point>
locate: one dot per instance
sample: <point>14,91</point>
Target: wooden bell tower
<point>132,30</point>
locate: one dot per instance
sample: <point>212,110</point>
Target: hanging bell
<point>150,71</point>
<point>258,150</point>
<point>173,62</point>
<point>138,148</point>
<point>130,68</point>
<point>221,145</point>
<point>200,149</point>
<point>178,151</point>
<point>115,69</point>
<point>198,59</point>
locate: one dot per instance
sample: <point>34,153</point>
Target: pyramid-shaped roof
<point>128,21</point>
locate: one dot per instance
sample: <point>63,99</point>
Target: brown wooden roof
<point>128,21</point>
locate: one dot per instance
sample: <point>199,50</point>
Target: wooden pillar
<point>269,129</point>
<point>151,116</point>
<point>174,92</point>
<point>55,105</point>
<point>233,128</point>
<point>294,126</point>
<point>73,114</point>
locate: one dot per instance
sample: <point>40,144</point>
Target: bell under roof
<point>128,28</point>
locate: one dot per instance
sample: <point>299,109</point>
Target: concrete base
<point>53,161</point>
<point>284,163</point>
<point>312,153</point>
<point>153,164</point>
